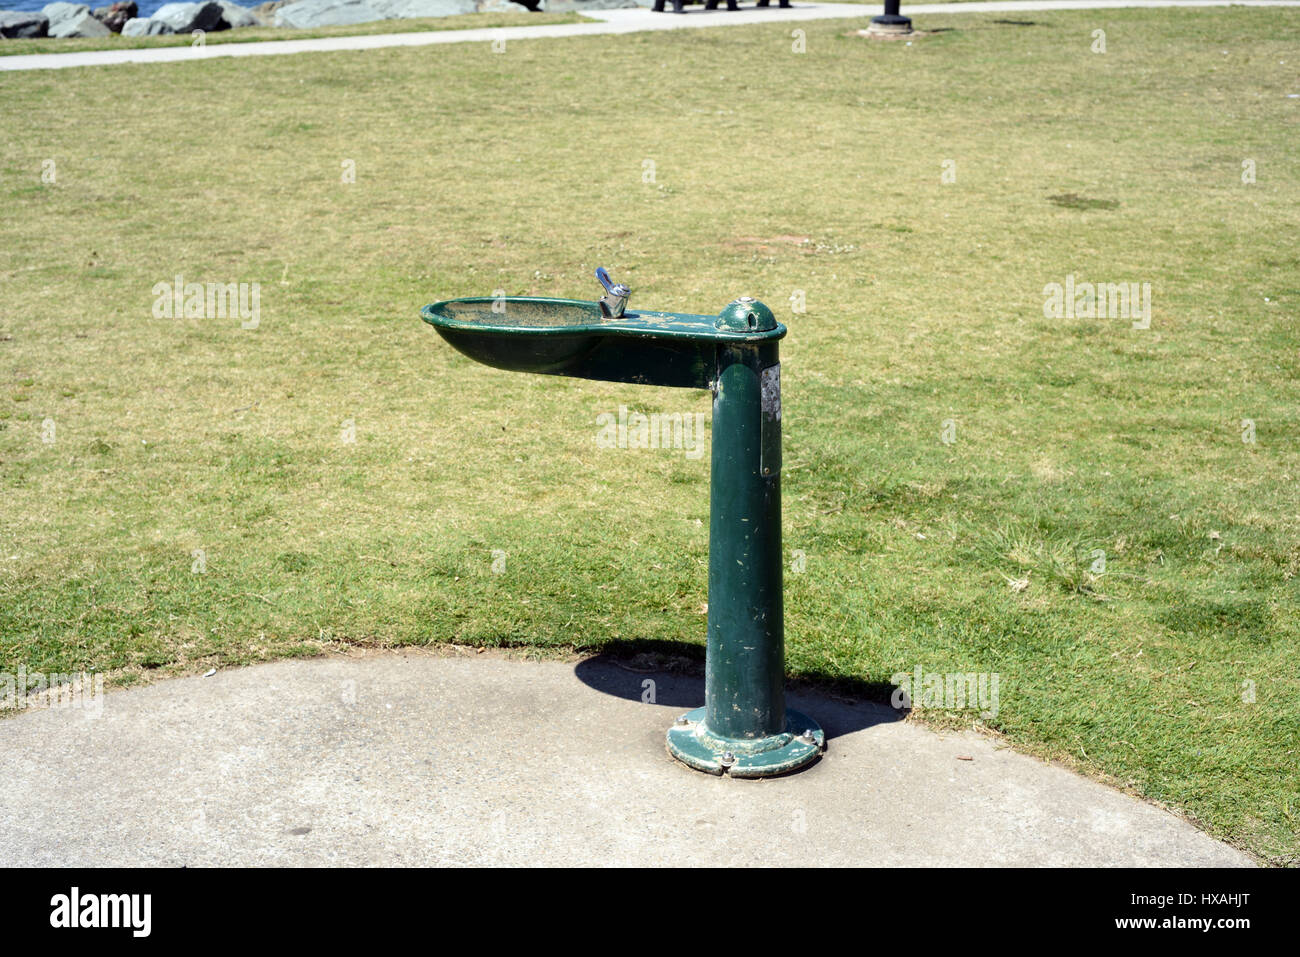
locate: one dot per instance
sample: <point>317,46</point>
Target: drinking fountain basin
<point>574,337</point>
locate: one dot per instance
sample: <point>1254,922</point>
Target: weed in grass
<point>1075,201</point>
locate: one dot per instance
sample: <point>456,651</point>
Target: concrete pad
<point>637,20</point>
<point>413,758</point>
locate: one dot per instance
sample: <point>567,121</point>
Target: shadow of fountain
<point>671,673</point>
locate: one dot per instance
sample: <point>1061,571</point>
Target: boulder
<point>23,23</point>
<point>73,20</point>
<point>63,15</point>
<point>87,26</point>
<point>59,12</point>
<point>506,6</point>
<point>233,15</point>
<point>185,17</point>
<point>115,16</point>
<point>264,13</point>
<point>327,13</point>
<point>144,27</point>
<point>411,9</point>
<point>569,6</point>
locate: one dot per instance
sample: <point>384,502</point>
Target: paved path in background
<point>606,21</point>
<point>417,759</point>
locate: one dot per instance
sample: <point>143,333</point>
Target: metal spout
<point>614,302</point>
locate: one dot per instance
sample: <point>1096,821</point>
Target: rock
<point>569,6</point>
<point>23,23</point>
<point>64,17</point>
<point>114,17</point>
<point>185,17</point>
<point>411,9</point>
<point>326,13</point>
<point>144,27</point>
<point>59,12</point>
<point>506,6</point>
<point>87,26</point>
<point>73,20</point>
<point>233,15</point>
<point>116,14</point>
<point>265,12</point>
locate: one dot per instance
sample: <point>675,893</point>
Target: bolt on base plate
<point>801,743</point>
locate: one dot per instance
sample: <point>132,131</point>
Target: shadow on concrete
<point>671,673</point>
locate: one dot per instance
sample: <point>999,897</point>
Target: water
<point>147,7</point>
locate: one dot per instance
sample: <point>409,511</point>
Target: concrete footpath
<point>602,22</point>
<point>414,758</point>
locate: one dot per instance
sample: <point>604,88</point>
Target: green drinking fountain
<point>744,729</point>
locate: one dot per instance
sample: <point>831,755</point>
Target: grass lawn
<point>464,21</point>
<point>184,493</point>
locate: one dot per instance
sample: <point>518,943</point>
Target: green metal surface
<point>570,337</point>
<point>744,728</point>
<point>799,743</point>
<point>745,661</point>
